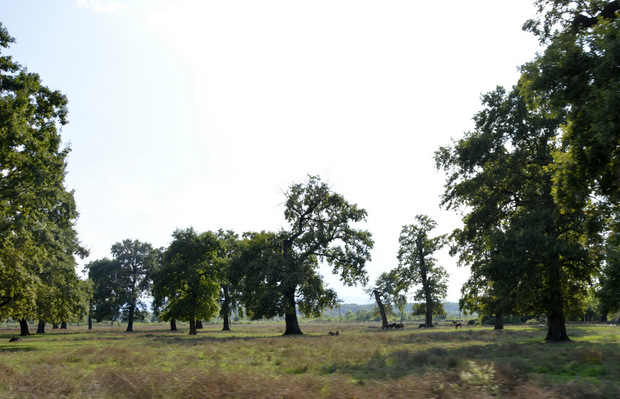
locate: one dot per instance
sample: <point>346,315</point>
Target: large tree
<point>280,270</point>
<point>120,282</point>
<point>417,267</point>
<point>228,292</point>
<point>37,212</point>
<point>186,284</point>
<point>532,255</point>
<point>578,74</point>
<point>135,259</point>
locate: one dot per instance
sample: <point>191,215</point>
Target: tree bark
<point>499,322</point>
<point>41,327</point>
<point>132,307</point>
<point>23,327</point>
<point>63,325</point>
<point>556,328</point>
<point>384,319</point>
<point>556,324</point>
<point>54,326</point>
<point>173,325</point>
<point>90,322</point>
<point>192,326</point>
<point>225,313</point>
<point>290,317</point>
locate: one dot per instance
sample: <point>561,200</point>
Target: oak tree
<point>278,272</point>
<point>37,211</point>
<point>186,286</point>
<point>527,254</point>
<point>418,267</point>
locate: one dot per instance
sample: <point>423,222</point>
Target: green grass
<point>363,361</point>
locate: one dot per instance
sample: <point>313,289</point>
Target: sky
<point>200,113</point>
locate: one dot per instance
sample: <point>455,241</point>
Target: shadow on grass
<point>16,348</point>
<point>595,362</point>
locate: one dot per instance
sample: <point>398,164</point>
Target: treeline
<point>537,182</point>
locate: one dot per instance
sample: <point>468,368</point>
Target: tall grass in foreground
<point>255,361</point>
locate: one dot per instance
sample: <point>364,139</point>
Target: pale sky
<point>202,113</point>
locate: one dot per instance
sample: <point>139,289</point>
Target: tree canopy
<point>37,212</point>
<point>186,285</point>
<point>526,254</point>
<point>417,267</point>
<point>278,272</point>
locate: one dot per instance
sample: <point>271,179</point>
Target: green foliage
<point>417,266</point>
<point>278,272</point>
<point>119,283</point>
<point>526,254</point>
<point>37,213</point>
<point>186,285</point>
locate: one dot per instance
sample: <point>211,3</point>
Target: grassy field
<point>255,361</point>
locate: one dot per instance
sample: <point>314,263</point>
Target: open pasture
<point>364,361</point>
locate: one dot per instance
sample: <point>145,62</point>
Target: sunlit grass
<point>256,361</point>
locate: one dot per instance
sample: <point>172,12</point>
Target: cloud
<point>102,7</point>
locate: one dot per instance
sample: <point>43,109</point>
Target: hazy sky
<point>202,113</point>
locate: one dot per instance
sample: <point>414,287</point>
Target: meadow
<point>256,361</point>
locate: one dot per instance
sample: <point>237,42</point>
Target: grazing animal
<point>14,339</point>
<point>457,325</point>
<point>333,333</point>
<point>422,326</point>
<point>389,326</point>
<point>400,325</point>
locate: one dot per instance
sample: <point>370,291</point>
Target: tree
<point>37,212</point>
<point>121,281</point>
<point>417,266</point>
<point>578,75</point>
<point>109,289</point>
<point>387,293</point>
<point>186,285</point>
<point>228,292</point>
<point>134,258</point>
<point>609,293</point>
<point>278,272</point>
<point>63,297</point>
<point>528,255</point>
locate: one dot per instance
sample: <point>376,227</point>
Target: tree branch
<point>581,22</point>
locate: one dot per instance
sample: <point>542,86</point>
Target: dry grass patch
<point>362,362</point>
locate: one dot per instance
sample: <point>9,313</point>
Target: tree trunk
<point>192,326</point>
<point>132,307</point>
<point>41,327</point>
<point>556,328</point>
<point>90,322</point>
<point>290,317</point>
<point>427,291</point>
<point>63,325</point>
<point>54,326</point>
<point>384,319</point>
<point>499,322</point>
<point>23,327</point>
<point>173,325</point>
<point>556,324</point>
<point>199,325</point>
<point>225,311</point>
